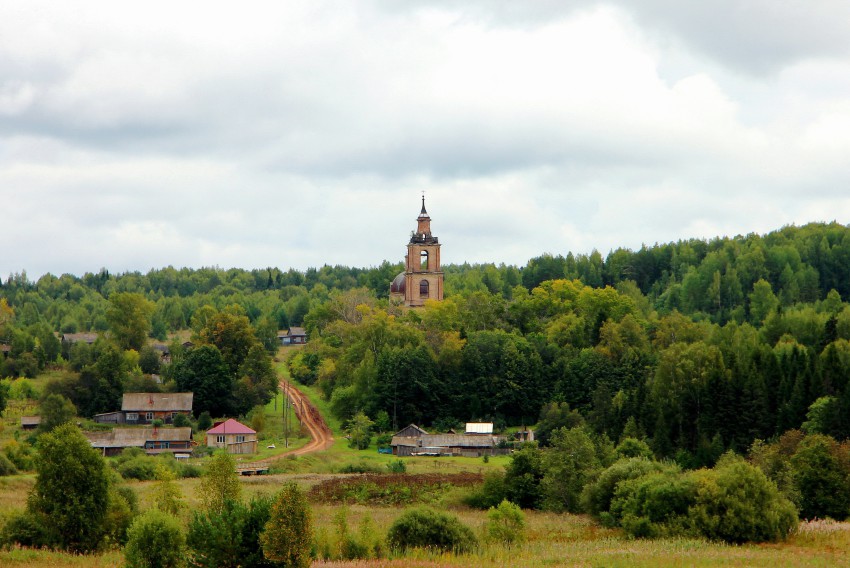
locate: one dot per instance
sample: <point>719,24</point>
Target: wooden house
<point>145,407</point>
<point>152,440</point>
<point>414,441</point>
<point>233,436</point>
<point>295,336</point>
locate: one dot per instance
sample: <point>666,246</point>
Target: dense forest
<point>695,346</point>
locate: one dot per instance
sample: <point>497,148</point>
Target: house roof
<point>30,420</point>
<point>87,337</point>
<point>157,401</point>
<point>456,441</point>
<point>297,331</point>
<point>230,426</point>
<point>479,427</point>
<point>411,430</point>
<point>136,437</point>
<point>411,441</point>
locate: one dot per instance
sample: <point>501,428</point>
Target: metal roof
<point>157,402</point>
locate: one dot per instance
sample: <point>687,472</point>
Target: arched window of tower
<point>423,260</point>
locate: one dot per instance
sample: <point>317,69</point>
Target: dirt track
<point>321,436</point>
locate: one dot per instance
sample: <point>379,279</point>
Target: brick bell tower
<point>422,278</point>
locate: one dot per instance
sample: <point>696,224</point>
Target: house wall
<point>249,446</point>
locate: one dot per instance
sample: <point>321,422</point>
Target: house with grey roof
<point>145,407</point>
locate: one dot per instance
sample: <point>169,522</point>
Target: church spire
<point>423,213</point>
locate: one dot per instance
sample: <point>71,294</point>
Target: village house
<point>152,440</point>
<point>478,440</point>
<point>295,336</point>
<point>145,407</point>
<point>233,436</point>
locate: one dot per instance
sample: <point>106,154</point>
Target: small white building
<point>479,428</point>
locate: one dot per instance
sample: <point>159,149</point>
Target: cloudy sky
<point>295,134</point>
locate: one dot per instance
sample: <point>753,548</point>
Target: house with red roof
<point>233,436</point>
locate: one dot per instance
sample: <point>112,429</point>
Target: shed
<point>479,428</point>
<point>30,422</point>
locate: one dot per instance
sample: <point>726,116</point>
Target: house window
<point>173,416</point>
<point>219,439</point>
<point>240,439</point>
<point>423,260</point>
<point>423,289</point>
<point>148,416</point>
<point>132,416</point>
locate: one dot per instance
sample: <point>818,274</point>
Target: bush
<point>6,466</point>
<point>426,528</point>
<point>397,466</point>
<point>155,540</point>
<point>204,421</point>
<point>359,468</point>
<point>20,454</point>
<point>231,536</point>
<point>181,421</point>
<point>505,524</point>
<point>597,495</point>
<point>654,505</point>
<point>141,468</point>
<point>491,493</point>
<point>738,503</point>
<point>27,529</point>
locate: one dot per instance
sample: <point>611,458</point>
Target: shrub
<point>426,528</point>
<point>27,528</point>
<point>597,495</point>
<point>397,466</point>
<point>119,516</point>
<point>359,468</point>
<point>204,421</point>
<point>490,494</point>
<point>231,536</point>
<point>155,540</point>
<point>505,524</point>
<point>6,466</point>
<point>181,421</point>
<point>20,454</point>
<point>141,468</point>
<point>654,505</point>
<point>738,503</point>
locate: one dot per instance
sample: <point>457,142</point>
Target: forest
<point>696,346</point>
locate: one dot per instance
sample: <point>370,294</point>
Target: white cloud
<point>302,133</point>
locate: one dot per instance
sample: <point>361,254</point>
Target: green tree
<point>167,496</point>
<point>288,534</point>
<point>155,540</point>
<point>359,431</point>
<point>820,478</point>
<point>71,489</point>
<point>203,372</point>
<point>219,482</point>
<point>230,537</point>
<point>569,465</point>
<point>55,410</point>
<point>129,317</point>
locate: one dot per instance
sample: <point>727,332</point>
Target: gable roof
<point>136,437</point>
<point>85,336</point>
<point>230,426</point>
<point>410,430</point>
<point>156,401</point>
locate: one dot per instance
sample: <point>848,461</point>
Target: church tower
<point>422,278</point>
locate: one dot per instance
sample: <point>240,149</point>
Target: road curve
<point>320,434</point>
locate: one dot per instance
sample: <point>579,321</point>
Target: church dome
<point>398,285</point>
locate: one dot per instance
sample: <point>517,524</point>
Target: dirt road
<point>320,434</point>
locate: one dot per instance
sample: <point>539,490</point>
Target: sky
<point>134,136</point>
